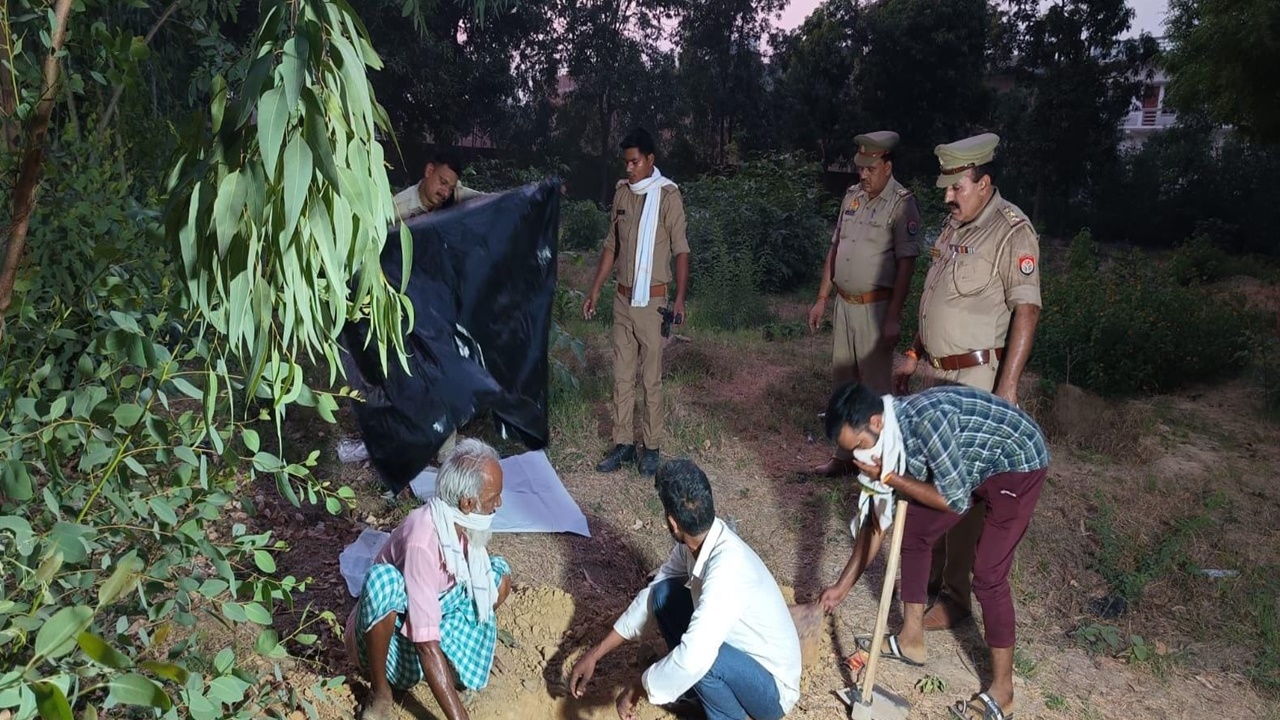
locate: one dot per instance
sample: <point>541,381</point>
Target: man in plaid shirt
<point>426,609</point>
<point>961,446</point>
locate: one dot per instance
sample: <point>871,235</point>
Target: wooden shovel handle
<point>886,599</point>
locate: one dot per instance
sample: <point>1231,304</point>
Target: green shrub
<point>1132,329</point>
<point>490,175</point>
<point>1199,260</point>
<point>583,225</point>
<point>728,297</point>
<point>119,458</point>
<point>1082,255</point>
<point>767,210</point>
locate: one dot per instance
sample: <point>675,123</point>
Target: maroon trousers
<point>1010,498</point>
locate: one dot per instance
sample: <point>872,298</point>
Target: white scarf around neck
<point>651,189</point>
<point>877,498</point>
<point>470,569</point>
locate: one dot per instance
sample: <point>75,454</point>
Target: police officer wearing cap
<point>868,268</point>
<point>978,316</point>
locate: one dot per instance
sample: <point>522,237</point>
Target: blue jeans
<point>736,687</point>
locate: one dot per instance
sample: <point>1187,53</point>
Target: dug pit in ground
<point>543,631</point>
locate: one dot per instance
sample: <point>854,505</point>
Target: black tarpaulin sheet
<point>482,284</point>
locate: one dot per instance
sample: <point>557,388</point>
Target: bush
<point>119,459</point>
<point>728,292</point>
<point>1198,260</point>
<point>1131,329</point>
<point>1082,255</point>
<point>1181,176</point>
<point>767,211</point>
<point>583,225</point>
<point>490,175</point>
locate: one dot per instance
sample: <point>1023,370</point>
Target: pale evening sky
<point>1148,15</point>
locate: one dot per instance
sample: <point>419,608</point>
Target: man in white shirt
<point>438,189</point>
<point>730,633</point>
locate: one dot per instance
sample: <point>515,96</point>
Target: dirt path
<point>746,411</point>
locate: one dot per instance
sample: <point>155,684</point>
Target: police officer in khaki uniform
<point>873,253</point>
<point>646,230</point>
<point>978,316</point>
<point>438,189</point>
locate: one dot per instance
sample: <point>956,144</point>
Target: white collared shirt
<point>735,601</point>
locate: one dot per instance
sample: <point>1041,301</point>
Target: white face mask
<point>471,521</point>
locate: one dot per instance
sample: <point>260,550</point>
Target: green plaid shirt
<point>956,437</point>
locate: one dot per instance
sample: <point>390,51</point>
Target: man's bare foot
<point>379,709</point>
<point>809,620</point>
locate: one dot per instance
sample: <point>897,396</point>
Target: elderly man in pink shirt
<point>426,610</point>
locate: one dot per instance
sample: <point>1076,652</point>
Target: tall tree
<point>610,50</point>
<point>923,74</point>
<point>452,73</point>
<point>818,63</point>
<point>721,67</point>
<point>1223,58</point>
<point>1074,79</point>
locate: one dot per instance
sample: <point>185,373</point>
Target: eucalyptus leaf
<point>58,634</point>
<point>134,689</point>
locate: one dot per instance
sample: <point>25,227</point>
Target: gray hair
<point>462,474</point>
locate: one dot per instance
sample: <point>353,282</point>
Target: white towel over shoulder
<point>877,498</point>
<point>651,189</point>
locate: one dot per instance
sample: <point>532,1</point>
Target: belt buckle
<point>935,362</point>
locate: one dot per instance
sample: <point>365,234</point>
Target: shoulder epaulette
<point>904,192</point>
<point>1013,217</point>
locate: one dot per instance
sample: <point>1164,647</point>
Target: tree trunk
<point>1037,205</point>
<point>119,89</point>
<point>24,195</point>
<point>9,129</point>
<point>606,129</point>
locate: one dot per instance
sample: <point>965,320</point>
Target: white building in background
<point>1149,113</point>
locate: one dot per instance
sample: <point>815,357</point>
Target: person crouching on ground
<point>731,636</point>
<point>969,446</point>
<point>427,607</point>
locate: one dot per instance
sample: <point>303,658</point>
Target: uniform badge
<point>1026,264</point>
<point>854,204</point>
<point>913,227</point>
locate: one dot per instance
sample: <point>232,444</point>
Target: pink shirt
<point>414,550</point>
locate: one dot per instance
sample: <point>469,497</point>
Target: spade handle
<point>886,598</point>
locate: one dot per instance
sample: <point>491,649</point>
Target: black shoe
<point>617,457</point>
<point>649,462</point>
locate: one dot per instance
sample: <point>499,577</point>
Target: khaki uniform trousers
<point>637,338</point>
<point>857,353</point>
<point>952,568</point>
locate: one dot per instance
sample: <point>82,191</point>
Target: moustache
<point>953,206</point>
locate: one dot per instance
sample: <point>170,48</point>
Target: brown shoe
<point>946,614</point>
<point>835,467</point>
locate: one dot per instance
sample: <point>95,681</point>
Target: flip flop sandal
<point>980,703</point>
<point>894,652</point>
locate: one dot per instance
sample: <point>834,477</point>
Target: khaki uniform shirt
<point>409,203</point>
<point>624,232</point>
<point>981,271</point>
<point>872,234</point>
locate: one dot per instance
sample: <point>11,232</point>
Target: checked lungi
<point>466,642</point>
